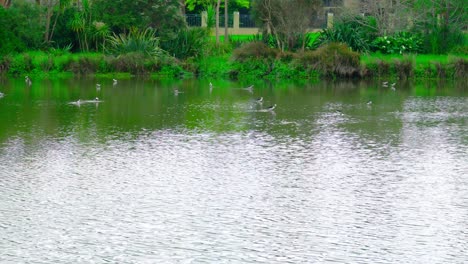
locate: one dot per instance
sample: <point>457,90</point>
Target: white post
<point>236,21</point>
<point>204,18</point>
<point>329,20</point>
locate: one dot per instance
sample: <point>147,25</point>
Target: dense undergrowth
<point>252,60</point>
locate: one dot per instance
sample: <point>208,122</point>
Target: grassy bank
<point>415,66</point>
<point>250,63</point>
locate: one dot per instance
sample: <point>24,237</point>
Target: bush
<point>399,43</point>
<point>143,42</point>
<point>356,32</point>
<point>255,50</point>
<point>333,60</point>
<point>190,42</point>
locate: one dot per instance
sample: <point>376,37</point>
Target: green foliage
<point>64,36</point>
<point>20,28</point>
<point>210,16</point>
<point>355,32</point>
<point>460,50</point>
<point>442,39</point>
<point>399,43</point>
<point>190,42</point>
<point>144,42</point>
<point>164,17</point>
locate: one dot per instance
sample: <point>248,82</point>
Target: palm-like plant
<point>144,42</point>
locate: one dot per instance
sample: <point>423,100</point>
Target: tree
<point>166,16</point>
<point>192,4</point>
<point>226,21</point>
<point>287,20</point>
<point>5,3</point>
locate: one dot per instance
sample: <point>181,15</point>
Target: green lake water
<point>338,172</point>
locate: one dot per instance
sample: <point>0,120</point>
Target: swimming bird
<point>211,85</point>
<point>271,108</point>
<point>393,86</point>
<point>27,80</point>
<point>249,88</point>
<point>78,103</point>
<point>114,82</point>
<point>369,102</point>
<point>385,84</point>
<point>176,92</point>
<point>2,95</point>
<point>98,86</point>
<point>259,100</point>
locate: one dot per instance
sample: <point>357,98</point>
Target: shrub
<point>143,42</point>
<point>190,42</point>
<point>83,65</point>
<point>334,60</point>
<point>357,32</point>
<point>255,50</point>
<point>399,43</point>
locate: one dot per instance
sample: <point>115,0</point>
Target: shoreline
<point>371,66</point>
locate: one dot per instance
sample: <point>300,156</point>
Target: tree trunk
<point>49,12</point>
<point>218,3</point>
<point>226,21</point>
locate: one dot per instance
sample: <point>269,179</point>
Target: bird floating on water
<point>259,100</point>
<point>176,92</point>
<point>98,86</point>
<point>2,95</point>
<point>78,102</point>
<point>271,108</point>
<point>114,82</point>
<point>249,88</point>
<point>369,102</point>
<point>27,80</point>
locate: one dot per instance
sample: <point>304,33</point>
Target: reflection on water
<point>209,177</point>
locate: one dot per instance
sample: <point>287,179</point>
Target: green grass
<point>418,59</point>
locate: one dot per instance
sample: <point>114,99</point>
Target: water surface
<point>148,176</point>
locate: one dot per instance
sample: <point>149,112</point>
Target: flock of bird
<point>384,84</point>
<point>177,92</point>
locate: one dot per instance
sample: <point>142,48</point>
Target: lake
<point>338,172</point>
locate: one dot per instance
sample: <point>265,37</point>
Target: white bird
<point>78,103</point>
<point>176,92</point>
<point>249,88</point>
<point>259,100</point>
<point>2,95</point>
<point>211,85</point>
<point>271,108</point>
<point>28,80</point>
<point>114,82</point>
<point>393,87</point>
<point>369,102</point>
<point>98,86</point>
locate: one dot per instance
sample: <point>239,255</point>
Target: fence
<point>244,24</point>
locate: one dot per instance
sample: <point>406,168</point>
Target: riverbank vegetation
<point>94,37</point>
